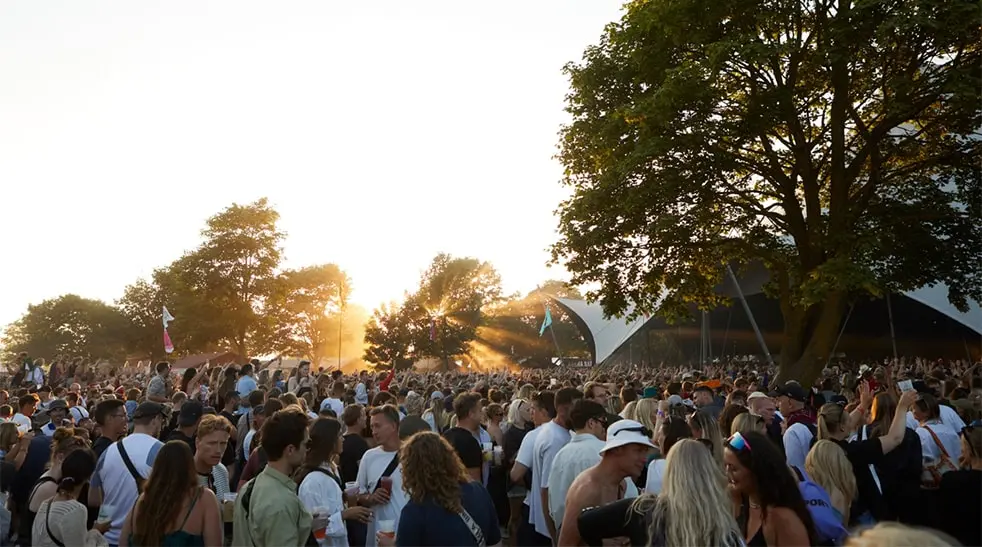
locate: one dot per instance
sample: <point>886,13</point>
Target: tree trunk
<point>820,335</point>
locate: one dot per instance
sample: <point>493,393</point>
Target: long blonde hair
<point>829,467</point>
<point>644,412</point>
<point>708,429</point>
<point>747,422</point>
<point>892,534</point>
<point>693,507</point>
<point>832,418</point>
<point>630,411</point>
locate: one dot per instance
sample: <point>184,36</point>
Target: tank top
<point>179,537</point>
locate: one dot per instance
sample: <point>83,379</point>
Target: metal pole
<point>841,330</point>
<point>750,315</point>
<point>559,352</point>
<point>893,337</point>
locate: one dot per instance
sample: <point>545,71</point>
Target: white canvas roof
<point>610,334</point>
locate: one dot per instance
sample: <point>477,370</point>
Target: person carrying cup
<point>379,475</point>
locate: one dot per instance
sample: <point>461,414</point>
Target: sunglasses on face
<point>738,442</point>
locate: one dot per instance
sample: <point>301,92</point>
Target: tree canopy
<point>836,142</point>
<point>69,326</point>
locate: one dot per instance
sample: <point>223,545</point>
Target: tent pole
<point>841,330</point>
<point>893,336</point>
<point>750,315</point>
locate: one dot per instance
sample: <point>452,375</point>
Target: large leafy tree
<point>387,336</point>
<point>68,325</point>
<point>141,306</point>
<point>306,306</point>
<point>834,141</point>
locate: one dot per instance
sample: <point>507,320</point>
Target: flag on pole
<point>432,329</point>
<point>546,323</point>
<point>167,318</point>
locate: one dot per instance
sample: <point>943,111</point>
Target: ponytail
<point>67,484</point>
<point>831,419</point>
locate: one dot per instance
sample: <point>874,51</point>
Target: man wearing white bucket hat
<point>623,457</point>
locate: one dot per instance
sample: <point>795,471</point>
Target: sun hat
<point>624,432</point>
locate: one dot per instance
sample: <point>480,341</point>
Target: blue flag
<point>546,323</point>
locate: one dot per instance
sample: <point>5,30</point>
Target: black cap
<point>148,409</point>
<point>791,390</point>
<point>191,412</point>
<point>57,404</point>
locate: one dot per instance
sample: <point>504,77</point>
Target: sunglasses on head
<point>642,430</point>
<point>738,442</point>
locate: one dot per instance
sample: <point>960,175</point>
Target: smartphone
<point>905,385</point>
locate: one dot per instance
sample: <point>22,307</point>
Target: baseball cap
<point>436,395</point>
<point>792,391</point>
<point>624,432</point>
<point>191,412</point>
<point>674,400</point>
<point>148,409</point>
<point>57,404</point>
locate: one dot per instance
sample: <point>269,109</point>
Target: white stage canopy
<point>610,334</point>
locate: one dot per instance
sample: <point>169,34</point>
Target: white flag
<point>167,317</point>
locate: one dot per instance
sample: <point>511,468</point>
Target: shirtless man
<point>623,456</point>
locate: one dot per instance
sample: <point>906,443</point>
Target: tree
<point>387,336</point>
<point>832,141</point>
<point>68,325</point>
<point>306,306</point>
<point>141,305</point>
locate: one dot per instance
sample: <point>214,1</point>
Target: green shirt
<point>276,515</point>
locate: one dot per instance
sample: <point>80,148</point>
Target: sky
<point>383,132</point>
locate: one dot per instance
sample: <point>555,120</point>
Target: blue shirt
<point>245,386</point>
<point>429,524</point>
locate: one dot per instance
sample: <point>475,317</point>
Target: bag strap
<point>246,501</point>
<point>473,526</point>
<point>329,474</point>
<point>389,469</point>
<point>937,442</point>
<point>872,468</point>
<point>129,465</point>
<point>47,526</point>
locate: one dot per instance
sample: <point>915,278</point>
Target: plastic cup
<point>499,454</point>
<point>320,522</point>
<point>387,528</point>
<point>486,449</point>
<point>351,489</point>
<point>105,514</point>
<point>386,484</point>
<point>229,497</point>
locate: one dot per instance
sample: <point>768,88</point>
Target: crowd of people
<point>253,455</point>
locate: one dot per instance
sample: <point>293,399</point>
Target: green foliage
<point>304,307</point>
<point>832,141</point>
<point>68,325</point>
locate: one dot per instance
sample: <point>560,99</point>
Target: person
<point>767,501</point>
<point>959,499</point>
<point>320,484</point>
<point>61,518</point>
<point>413,422</point>
<point>891,534</point>
<point>555,434</point>
<point>589,422</point>
<point>121,472</point>
<point>211,439</point>
<point>300,378</point>
<point>670,430</point>
<point>445,506</point>
<point>800,421</point>
<point>187,423</point>
<point>157,386</point>
<point>468,437</point>
<point>267,509</point>
<point>112,420</point>
<point>705,400</point>
<point>355,445</point>
<point>173,508</point>
<point>435,416</point>
<point>57,417</point>
<point>869,505</point>
<point>26,407</point>
<point>334,400</point>
<point>763,406</point>
<point>379,475</point>
<point>940,445</point>
<point>828,466</point>
<point>692,509</point>
<point>623,456</point>
<point>705,427</point>
<point>63,443</point>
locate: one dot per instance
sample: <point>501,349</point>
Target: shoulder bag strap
<point>872,468</point>
<point>47,526</point>
<point>937,442</point>
<point>389,470</point>
<point>329,474</point>
<point>473,526</point>
<point>246,502</point>
<point>132,468</point>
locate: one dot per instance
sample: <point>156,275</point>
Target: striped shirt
<point>67,522</point>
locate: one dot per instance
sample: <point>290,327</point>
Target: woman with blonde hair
<point>436,416</point>
<point>692,509</point>
<point>646,412</point>
<point>828,467</point>
<point>747,422</point>
<point>892,534</point>
<point>630,411</point>
<point>703,426</point>
<point>63,442</point>
<point>445,506</point>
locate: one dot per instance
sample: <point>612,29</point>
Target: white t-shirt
<point>117,484</point>
<point>524,457</point>
<point>78,413</point>
<point>656,472</point>
<point>547,444</point>
<point>373,464</point>
<point>23,422</point>
<point>361,394</point>
<point>247,443</point>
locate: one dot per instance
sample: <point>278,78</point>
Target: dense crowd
<point>257,455</point>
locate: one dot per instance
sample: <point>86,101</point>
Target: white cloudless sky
<point>383,132</point>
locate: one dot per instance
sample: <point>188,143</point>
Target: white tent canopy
<point>610,334</point>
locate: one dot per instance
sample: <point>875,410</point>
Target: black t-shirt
<point>959,504</point>
<point>100,445</point>
<point>466,446</point>
<point>354,448</point>
<point>512,442</point>
<point>177,435</point>
<point>861,454</point>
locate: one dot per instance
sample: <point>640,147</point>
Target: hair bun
<point>66,482</point>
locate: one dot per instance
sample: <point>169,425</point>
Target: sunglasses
<point>738,442</point>
<point>642,430</point>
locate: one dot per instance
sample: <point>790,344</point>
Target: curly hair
<point>172,480</point>
<point>432,470</point>
<point>64,441</point>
